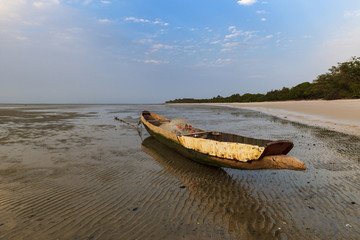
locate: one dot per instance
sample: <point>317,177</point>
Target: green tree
<point>341,81</point>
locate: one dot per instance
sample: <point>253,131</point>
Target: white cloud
<point>353,13</point>
<point>9,11</point>
<point>269,36</point>
<point>232,35</point>
<point>62,36</point>
<point>104,20</point>
<point>231,28</point>
<point>233,44</point>
<point>157,21</point>
<point>261,12</point>
<point>86,2</point>
<point>13,35</point>
<point>222,61</point>
<point>263,19</point>
<point>229,46</point>
<point>137,20</point>
<point>246,2</point>
<point>215,42</point>
<point>235,38</point>
<point>225,50</point>
<point>44,4</point>
<point>235,33</point>
<point>105,2</point>
<point>142,20</point>
<point>155,61</point>
<point>26,13</point>
<point>144,41</point>
<point>158,46</point>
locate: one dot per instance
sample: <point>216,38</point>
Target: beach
<point>73,172</point>
<point>338,115</point>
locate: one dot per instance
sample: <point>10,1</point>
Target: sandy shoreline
<point>338,115</point>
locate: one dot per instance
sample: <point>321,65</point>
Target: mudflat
<point>73,172</point>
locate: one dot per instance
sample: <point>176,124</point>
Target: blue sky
<point>115,51</point>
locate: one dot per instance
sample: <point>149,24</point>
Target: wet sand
<point>72,172</point>
<point>338,115</point>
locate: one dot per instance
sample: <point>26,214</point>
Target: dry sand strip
<point>338,115</point>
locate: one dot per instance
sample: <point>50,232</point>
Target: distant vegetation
<point>341,81</point>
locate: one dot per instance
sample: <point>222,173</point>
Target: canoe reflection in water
<point>213,197</point>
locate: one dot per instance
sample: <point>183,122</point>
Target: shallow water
<point>73,172</point>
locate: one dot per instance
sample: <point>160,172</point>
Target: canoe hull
<point>268,162</point>
<point>193,155</point>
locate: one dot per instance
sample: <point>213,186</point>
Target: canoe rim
<point>281,147</point>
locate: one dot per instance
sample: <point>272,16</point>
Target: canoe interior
<point>228,137</point>
<point>281,147</point>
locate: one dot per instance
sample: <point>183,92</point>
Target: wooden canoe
<point>223,149</point>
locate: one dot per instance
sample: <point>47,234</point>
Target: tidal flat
<point>73,172</point>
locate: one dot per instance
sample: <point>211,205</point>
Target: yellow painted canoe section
<point>230,150</point>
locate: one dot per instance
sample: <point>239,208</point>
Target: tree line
<point>340,82</point>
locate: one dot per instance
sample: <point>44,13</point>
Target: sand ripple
<point>92,180</point>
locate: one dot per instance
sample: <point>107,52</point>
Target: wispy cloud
<point>233,44</point>
<point>235,33</point>
<point>353,13</point>
<point>155,61</point>
<point>222,61</point>
<point>208,29</point>
<point>229,46</point>
<point>86,2</point>
<point>263,19</point>
<point>159,46</point>
<point>142,20</point>
<point>236,38</point>
<point>137,20</point>
<point>215,42</point>
<point>144,41</point>
<point>246,2</point>
<point>44,4</point>
<point>261,12</point>
<point>104,20</point>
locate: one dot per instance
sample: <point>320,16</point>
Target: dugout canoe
<point>223,149</point>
